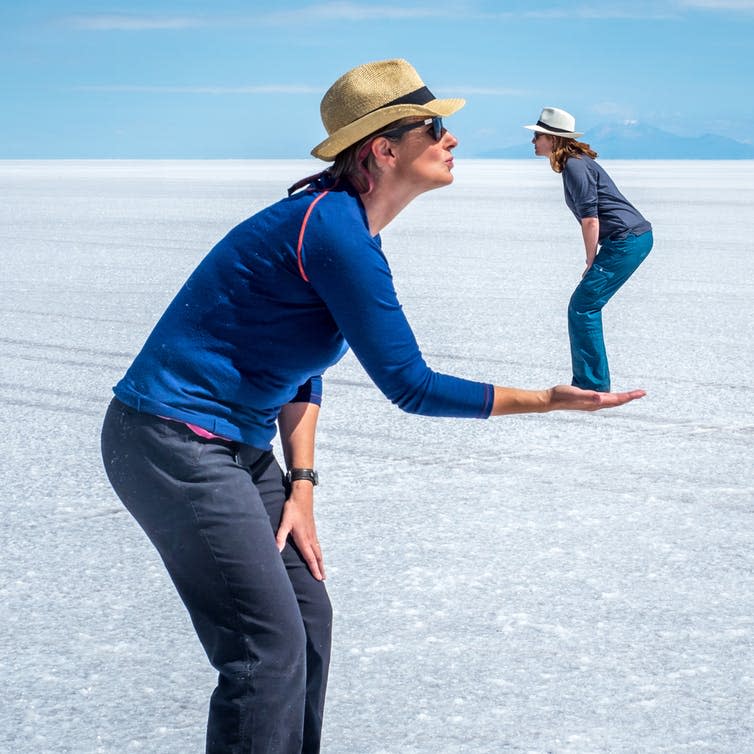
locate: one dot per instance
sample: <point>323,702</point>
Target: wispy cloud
<point>625,9</point>
<point>735,5</point>
<point>555,9</point>
<point>486,90</point>
<point>463,91</point>
<point>251,89</point>
<point>126,22</point>
<point>318,12</point>
<point>356,11</point>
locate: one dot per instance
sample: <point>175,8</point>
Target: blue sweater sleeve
<point>309,392</point>
<point>351,275</point>
<point>581,187</point>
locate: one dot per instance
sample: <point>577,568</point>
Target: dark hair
<point>356,163</point>
<point>563,149</point>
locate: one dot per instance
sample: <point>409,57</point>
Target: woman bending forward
<point>238,355</point>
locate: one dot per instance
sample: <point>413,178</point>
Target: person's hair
<point>356,163</point>
<point>563,149</point>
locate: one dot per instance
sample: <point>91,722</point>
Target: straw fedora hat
<point>556,122</point>
<point>371,96</point>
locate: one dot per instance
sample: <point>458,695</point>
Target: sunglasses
<point>436,128</point>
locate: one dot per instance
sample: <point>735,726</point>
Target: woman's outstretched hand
<point>513,400</point>
<point>569,398</point>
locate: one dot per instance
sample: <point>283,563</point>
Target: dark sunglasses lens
<point>437,128</point>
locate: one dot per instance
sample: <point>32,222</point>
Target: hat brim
<point>354,132</point>
<point>563,134</point>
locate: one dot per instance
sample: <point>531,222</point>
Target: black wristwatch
<point>294,475</point>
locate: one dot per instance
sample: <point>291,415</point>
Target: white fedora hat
<point>372,96</point>
<point>556,122</point>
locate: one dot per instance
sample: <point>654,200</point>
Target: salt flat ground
<point>559,583</point>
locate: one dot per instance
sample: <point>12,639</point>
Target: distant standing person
<point>617,239</point>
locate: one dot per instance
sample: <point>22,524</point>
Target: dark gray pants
<point>211,508</point>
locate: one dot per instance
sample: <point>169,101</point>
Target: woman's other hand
<point>298,522</point>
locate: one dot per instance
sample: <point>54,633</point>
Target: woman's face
<point>542,144</point>
<point>424,161</point>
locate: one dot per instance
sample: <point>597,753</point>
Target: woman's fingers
<point>304,534</point>
<point>567,397</point>
<point>282,534</point>
<point>311,552</point>
<point>618,399</point>
<point>315,561</point>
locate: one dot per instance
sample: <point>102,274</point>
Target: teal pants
<point>616,262</point>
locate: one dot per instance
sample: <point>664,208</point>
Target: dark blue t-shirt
<point>590,192</point>
<point>260,319</point>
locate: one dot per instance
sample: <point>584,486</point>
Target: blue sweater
<point>261,318</point>
<point>590,192</point>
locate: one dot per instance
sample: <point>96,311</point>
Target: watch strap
<point>295,475</point>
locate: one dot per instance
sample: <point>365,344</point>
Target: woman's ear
<point>382,151</point>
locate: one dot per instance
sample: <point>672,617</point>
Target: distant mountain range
<point>636,141</point>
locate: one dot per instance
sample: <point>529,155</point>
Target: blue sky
<point>232,79</point>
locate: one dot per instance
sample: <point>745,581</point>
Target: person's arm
<point>590,230</point>
<point>582,196</point>
<point>512,400</point>
<point>298,423</point>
